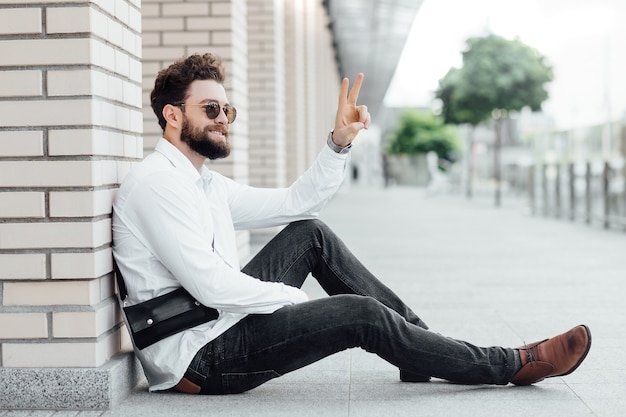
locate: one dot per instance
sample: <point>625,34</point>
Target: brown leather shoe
<point>557,356</point>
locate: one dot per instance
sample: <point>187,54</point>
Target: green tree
<point>498,77</point>
<point>457,107</point>
<point>455,110</point>
<point>422,132</point>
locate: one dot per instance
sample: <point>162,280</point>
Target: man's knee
<point>360,308</point>
<point>312,228</point>
<point>309,224</point>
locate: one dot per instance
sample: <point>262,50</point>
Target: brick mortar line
<point>68,36</point>
<point>46,98</point>
<point>59,308</point>
<point>33,128</point>
<point>112,186</point>
<point>67,158</point>
<point>63,5</point>
<point>62,67</point>
<point>53,251</point>
<point>48,220</point>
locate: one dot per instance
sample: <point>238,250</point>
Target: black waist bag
<point>162,316</point>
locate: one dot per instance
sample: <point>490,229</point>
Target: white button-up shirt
<point>174,226</point>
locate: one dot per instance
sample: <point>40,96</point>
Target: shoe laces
<point>533,353</point>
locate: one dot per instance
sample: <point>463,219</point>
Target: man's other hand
<point>350,118</point>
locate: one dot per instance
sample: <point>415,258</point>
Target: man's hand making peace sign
<point>350,118</point>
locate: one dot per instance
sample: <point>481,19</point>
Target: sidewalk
<point>471,271</point>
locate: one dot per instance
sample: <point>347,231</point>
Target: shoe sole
<point>582,358</point>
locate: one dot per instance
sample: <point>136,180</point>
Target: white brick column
<point>321,77</point>
<point>266,76</point>
<point>295,110</point>
<point>70,126</point>
<point>311,83</point>
<point>328,79</point>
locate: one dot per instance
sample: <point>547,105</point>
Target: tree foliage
<point>497,74</point>
<point>421,132</point>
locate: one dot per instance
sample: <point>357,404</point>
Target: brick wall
<point>293,83</point>
<point>70,127</point>
<point>73,77</point>
<point>267,92</point>
<point>321,77</point>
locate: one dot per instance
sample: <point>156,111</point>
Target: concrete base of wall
<point>70,388</point>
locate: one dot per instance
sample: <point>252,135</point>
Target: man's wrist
<point>332,145</point>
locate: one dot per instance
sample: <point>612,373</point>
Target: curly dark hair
<point>172,83</point>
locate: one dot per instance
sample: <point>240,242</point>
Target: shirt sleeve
<point>253,207</point>
<point>166,215</point>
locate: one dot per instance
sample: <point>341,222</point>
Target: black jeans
<point>360,312</point>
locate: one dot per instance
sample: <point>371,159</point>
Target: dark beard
<point>199,141</point>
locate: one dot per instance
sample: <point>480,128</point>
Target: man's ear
<point>173,115</point>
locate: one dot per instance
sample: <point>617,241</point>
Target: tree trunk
<point>470,163</point>
<point>497,168</point>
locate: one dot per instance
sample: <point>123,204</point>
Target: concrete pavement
<point>471,271</point>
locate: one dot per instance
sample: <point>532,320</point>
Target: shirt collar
<point>181,162</point>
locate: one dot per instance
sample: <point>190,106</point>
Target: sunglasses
<point>212,109</point>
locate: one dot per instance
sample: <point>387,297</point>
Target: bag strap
<point>120,281</point>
